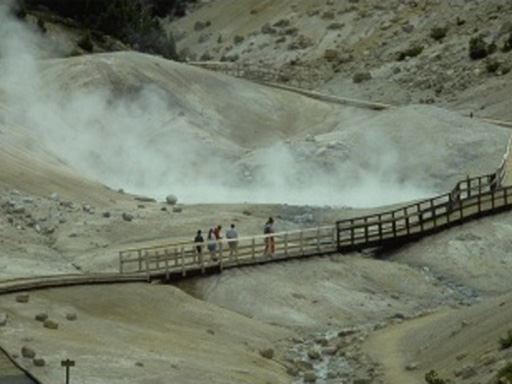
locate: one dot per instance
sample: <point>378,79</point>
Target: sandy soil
<point>441,303</point>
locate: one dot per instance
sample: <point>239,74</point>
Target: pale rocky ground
<point>82,128</point>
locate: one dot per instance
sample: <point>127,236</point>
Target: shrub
<point>505,372</point>
<point>477,48</point>
<point>85,42</point>
<point>412,51</point>
<point>507,46</point>
<point>506,342</point>
<point>41,25</point>
<point>492,65</point>
<point>438,33</point>
<point>432,378</point>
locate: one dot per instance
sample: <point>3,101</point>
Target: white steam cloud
<point>145,143</point>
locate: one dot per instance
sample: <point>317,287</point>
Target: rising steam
<point>145,143</point>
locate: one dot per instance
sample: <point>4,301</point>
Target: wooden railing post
<point>167,274</point>
<point>286,244</point>
<point>183,270</point>
<point>121,263</point>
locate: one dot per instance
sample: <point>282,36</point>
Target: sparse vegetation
<point>478,48</point>
<point>432,378</point>
<point>505,372</point>
<point>438,33</point>
<point>412,51</point>
<point>134,22</point>
<point>492,65</point>
<point>86,42</point>
<point>507,46</point>
<point>506,342</point>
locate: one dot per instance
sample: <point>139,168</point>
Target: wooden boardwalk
<point>469,199</point>
<point>10,373</point>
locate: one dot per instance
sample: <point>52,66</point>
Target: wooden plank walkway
<point>10,373</point>
<point>469,199</point>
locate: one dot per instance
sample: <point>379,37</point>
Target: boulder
<point>3,319</point>
<point>39,362</point>
<point>267,353</point>
<point>171,199</point>
<point>28,352</point>
<point>41,317</point>
<point>127,216</point>
<point>22,298</point>
<point>50,324</point>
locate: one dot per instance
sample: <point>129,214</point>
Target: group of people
<point>215,234</point>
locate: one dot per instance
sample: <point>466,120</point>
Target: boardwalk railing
<point>183,257</point>
<point>301,76</point>
<point>469,199</point>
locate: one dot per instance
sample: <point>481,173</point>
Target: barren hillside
<point>90,146</point>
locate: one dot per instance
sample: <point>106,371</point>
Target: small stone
<point>292,371</point>
<point>267,353</point>
<point>28,352</point>
<point>127,216</point>
<point>331,351</point>
<point>22,298</point>
<point>106,214</point>
<point>39,362</point>
<point>210,331</point>
<point>50,324</point>
<point>177,209</point>
<point>54,196</point>
<point>314,355</point>
<point>412,366</point>
<point>462,355</point>
<point>41,317</point>
<point>3,319</point>
<point>309,377</point>
<point>139,364</point>
<point>71,316</point>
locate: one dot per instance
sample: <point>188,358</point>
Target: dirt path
<point>390,348</point>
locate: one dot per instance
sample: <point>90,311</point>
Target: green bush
<point>506,372</point>
<point>412,51</point>
<point>86,42</point>
<point>507,46</point>
<point>432,378</point>
<point>478,48</point>
<point>438,33</point>
<point>506,342</point>
<point>492,65</point>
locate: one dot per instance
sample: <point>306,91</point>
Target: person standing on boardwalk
<point>232,237</point>
<point>216,232</point>
<point>199,239</point>
<point>268,230</point>
<point>212,245</point>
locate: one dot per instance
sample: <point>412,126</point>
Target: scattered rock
<point>210,331</point>
<point>314,355</point>
<point>3,319</point>
<point>139,364</point>
<point>50,324</point>
<point>171,199</point>
<point>462,355</point>
<point>412,366</point>
<point>106,214</point>
<point>28,352</point>
<point>41,317</point>
<point>71,316</point>
<point>360,77</point>
<point>177,209</point>
<point>310,377</point>
<point>267,353</point>
<point>145,199</point>
<point>54,196</point>
<point>22,298</point>
<point>39,362</point>
<point>127,216</point>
